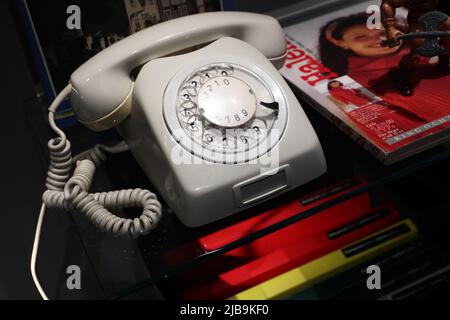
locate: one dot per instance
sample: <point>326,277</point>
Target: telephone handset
<point>102,87</point>
<point>216,130</point>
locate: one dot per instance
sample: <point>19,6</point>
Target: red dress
<point>349,96</point>
<point>431,99</point>
<point>379,120</point>
<point>396,114</point>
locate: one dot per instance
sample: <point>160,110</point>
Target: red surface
<point>431,89</point>
<point>399,113</point>
<point>235,232</point>
<point>278,252</point>
<point>350,96</point>
<point>244,228</point>
<point>253,264</point>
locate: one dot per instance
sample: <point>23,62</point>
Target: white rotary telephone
<point>216,130</point>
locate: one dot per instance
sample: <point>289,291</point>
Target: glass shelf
<point>127,267</point>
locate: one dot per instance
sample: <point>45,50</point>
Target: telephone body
<point>217,129</point>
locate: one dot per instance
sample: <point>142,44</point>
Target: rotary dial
<point>226,108</point>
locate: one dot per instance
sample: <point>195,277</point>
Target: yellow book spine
<point>335,262</point>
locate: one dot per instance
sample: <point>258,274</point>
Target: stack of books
<point>306,253</point>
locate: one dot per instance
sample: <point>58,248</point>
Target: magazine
<point>338,63</point>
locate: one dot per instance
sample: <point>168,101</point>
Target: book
<point>399,268</point>
<point>304,276</point>
<point>337,63</point>
<point>432,286</point>
<point>227,235</point>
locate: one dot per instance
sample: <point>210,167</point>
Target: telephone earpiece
<point>102,87</point>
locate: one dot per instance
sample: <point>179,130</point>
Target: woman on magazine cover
<point>347,98</point>
<point>348,47</point>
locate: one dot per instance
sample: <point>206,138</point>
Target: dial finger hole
<point>191,90</point>
<point>226,71</point>
<point>194,127</point>
<point>244,139</point>
<point>228,140</point>
<point>188,105</point>
<point>209,74</point>
<point>212,135</point>
<point>184,96</point>
<point>196,80</point>
<point>191,120</point>
<point>188,93</point>
<point>187,113</point>
<point>208,138</point>
<point>258,126</point>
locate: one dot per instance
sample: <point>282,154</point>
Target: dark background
<point>22,183</point>
<point>23,166</point>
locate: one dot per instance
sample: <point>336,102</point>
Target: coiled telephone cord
<point>71,192</point>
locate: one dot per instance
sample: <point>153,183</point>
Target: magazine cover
<point>341,66</point>
<point>58,50</point>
